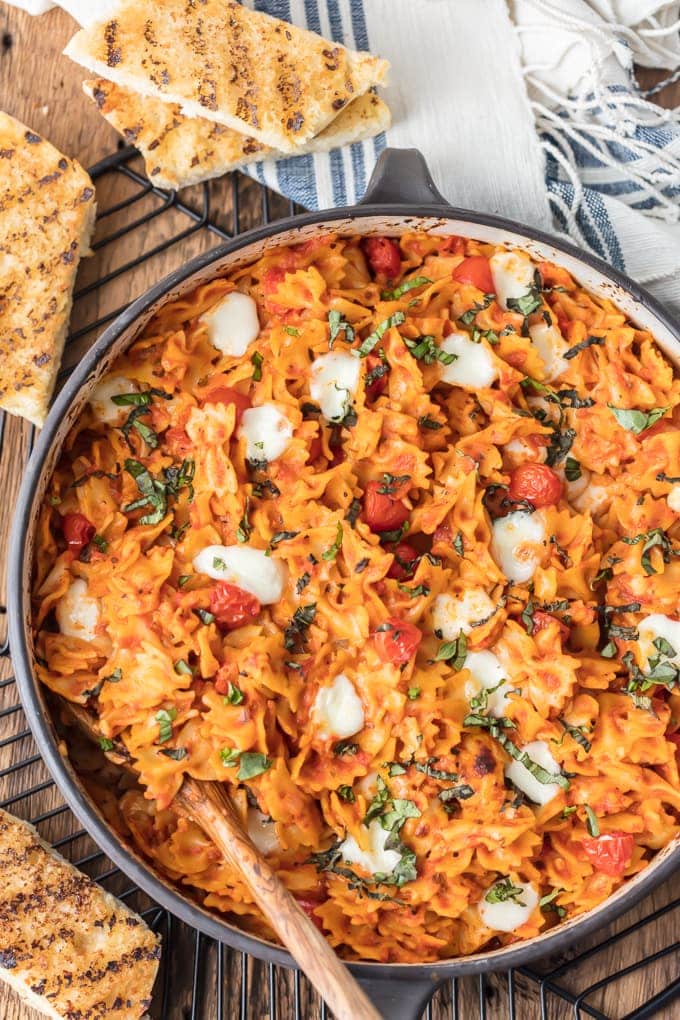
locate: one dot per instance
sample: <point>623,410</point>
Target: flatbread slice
<point>47,208</point>
<point>180,151</point>
<point>68,948</point>
<point>216,59</point>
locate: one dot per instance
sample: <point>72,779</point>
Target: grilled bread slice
<point>67,947</point>
<point>47,210</point>
<point>216,59</point>
<point>180,151</point>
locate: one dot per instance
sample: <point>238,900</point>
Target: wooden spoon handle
<point>211,809</point>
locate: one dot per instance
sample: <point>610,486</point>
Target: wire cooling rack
<point>630,971</point>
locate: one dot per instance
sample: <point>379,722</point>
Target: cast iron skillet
<point>401,196</point>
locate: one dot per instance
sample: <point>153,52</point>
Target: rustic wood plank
<point>43,89</point>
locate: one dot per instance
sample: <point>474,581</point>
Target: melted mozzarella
<point>266,431</point>
<point>474,365</point>
<point>520,450</point>
<point>594,497</point>
<point>673,499</point>
<point>334,378</point>
<point>262,832</point>
<point>549,343</point>
<point>452,614</point>
<point>77,612</point>
<point>513,275</point>
<point>576,488</point>
<point>486,673</point>
<point>250,569</point>
<point>376,858</point>
<point>659,626</point>
<point>540,793</point>
<point>103,406</point>
<point>518,544</point>
<point>232,324</point>
<point>337,710</point>
<point>509,915</point>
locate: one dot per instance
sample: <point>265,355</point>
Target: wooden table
<point>43,89</point>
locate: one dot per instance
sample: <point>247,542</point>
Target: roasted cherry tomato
<point>227,395</point>
<point>232,606</point>
<point>397,641</point>
<point>543,620</point>
<point>452,245</point>
<point>383,256</point>
<point>537,483</point>
<point>475,269</point>
<point>78,532</point>
<point>377,385</point>
<point>383,511</point>
<point>610,853</point>
<point>405,562</point>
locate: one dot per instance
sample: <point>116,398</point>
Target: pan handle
<point>401,177</point>
<point>400,998</point>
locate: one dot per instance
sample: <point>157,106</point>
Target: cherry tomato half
<point>383,256</point>
<point>537,483</point>
<point>405,562</point>
<point>397,641</point>
<point>543,620</point>
<point>377,385</point>
<point>475,269</point>
<point>227,395</point>
<point>383,511</point>
<point>78,532</point>
<point>232,606</point>
<point>610,853</point>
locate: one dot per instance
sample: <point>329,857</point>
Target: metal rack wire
<point>214,982</point>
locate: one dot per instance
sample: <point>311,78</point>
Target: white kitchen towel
<point>526,108</point>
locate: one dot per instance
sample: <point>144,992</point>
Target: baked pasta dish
<point>384,534</point>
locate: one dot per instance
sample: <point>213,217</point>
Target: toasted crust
<point>263,77</point>
<point>67,947</point>
<point>180,151</point>
<point>47,210</point>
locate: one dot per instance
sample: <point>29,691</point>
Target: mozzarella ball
<point>103,406</point>
<point>513,275</point>
<point>232,324</point>
<point>338,710</point>
<point>655,627</point>
<point>549,343</point>
<point>487,673</point>
<point>510,914</point>
<point>452,614</point>
<point>262,832</point>
<point>77,612</point>
<point>473,367</point>
<point>524,780</point>
<point>267,432</point>
<point>518,544</point>
<point>247,568</point>
<point>374,859</point>
<point>673,499</point>
<point>334,378</point>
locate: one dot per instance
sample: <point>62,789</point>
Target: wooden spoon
<point>208,804</point>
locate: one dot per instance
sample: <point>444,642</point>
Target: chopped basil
<point>576,732</point>
<point>547,902</point>
<point>155,492</point>
<point>504,890</point>
<point>376,373</point>
<point>391,484</point>
<point>101,543</point>
<point>453,652</point>
<point>265,487</point>
<point>495,728</point>
<point>404,288</point>
<point>183,579</point>
<point>230,756</point>
<point>296,631</point>
<point>291,331</point>
<point>459,544</point>
<point>577,348</point>
<point>346,793</point>
<point>205,616</point>
<point>395,768</point>
<point>369,343</point>
<point>418,590</point>
<point>183,668</point>
<point>353,512</point>
<point>637,421</point>
<point>456,793</point>
<point>106,744</point>
<point>396,535</point>
<point>165,718</point>
<point>413,693</point>
<point>176,753</point>
<point>468,317</point>
<point>428,769</point>
<point>568,811</point>
<point>331,553</point>
<point>527,616</point>
<point>345,747</point>
<point>282,536</point>
<point>113,678</point>
<point>244,530</point>
<point>257,361</point>
<point>425,422</point>
<point>302,583</point>
<point>361,566</point>
<point>218,563</point>
<point>656,538</point>
<point>336,323</point>
<point>378,801</point>
<point>591,821</point>
<point>252,763</point>
<point>234,695</point>
<point>572,469</point>
<point>663,477</point>
<point>426,350</point>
